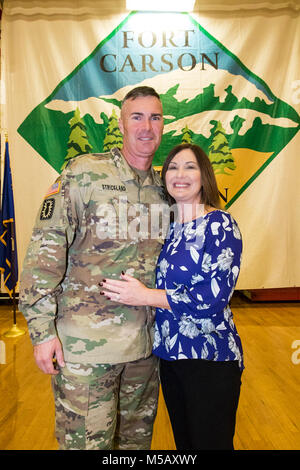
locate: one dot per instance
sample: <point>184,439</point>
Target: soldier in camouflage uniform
<point>94,223</point>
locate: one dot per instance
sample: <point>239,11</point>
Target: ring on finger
<point>117,297</point>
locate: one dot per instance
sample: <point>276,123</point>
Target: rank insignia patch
<point>47,209</point>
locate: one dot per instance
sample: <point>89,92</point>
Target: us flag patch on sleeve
<point>54,189</point>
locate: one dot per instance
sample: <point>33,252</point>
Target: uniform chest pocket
<point>120,219</point>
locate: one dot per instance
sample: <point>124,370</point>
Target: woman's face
<point>183,178</point>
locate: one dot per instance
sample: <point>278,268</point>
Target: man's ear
<point>121,127</point>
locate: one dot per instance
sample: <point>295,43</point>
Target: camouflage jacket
<point>93,223</point>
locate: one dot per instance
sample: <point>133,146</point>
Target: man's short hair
<point>140,91</point>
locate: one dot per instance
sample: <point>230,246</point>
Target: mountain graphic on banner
<point>209,97</point>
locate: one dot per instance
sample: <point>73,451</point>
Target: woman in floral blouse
<point>201,358</point>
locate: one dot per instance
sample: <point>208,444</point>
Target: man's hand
<point>45,353</point>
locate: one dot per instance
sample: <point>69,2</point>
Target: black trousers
<point>202,399</point>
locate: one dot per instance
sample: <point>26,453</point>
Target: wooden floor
<point>269,409</point>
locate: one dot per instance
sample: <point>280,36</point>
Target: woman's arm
<point>131,291</point>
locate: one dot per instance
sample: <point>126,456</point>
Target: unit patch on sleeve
<point>47,209</point>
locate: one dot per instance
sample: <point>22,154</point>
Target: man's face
<point>141,124</point>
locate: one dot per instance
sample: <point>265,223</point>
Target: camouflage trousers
<point>106,406</point>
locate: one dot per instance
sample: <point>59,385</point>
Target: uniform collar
<point>127,174</point>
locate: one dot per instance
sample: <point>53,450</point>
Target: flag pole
<point>14,331</point>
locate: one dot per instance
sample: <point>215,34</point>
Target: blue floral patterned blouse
<point>198,267</point>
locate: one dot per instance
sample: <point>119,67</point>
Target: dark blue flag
<point>8,246</point>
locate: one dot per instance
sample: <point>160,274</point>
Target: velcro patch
<point>47,209</point>
<point>54,189</point>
